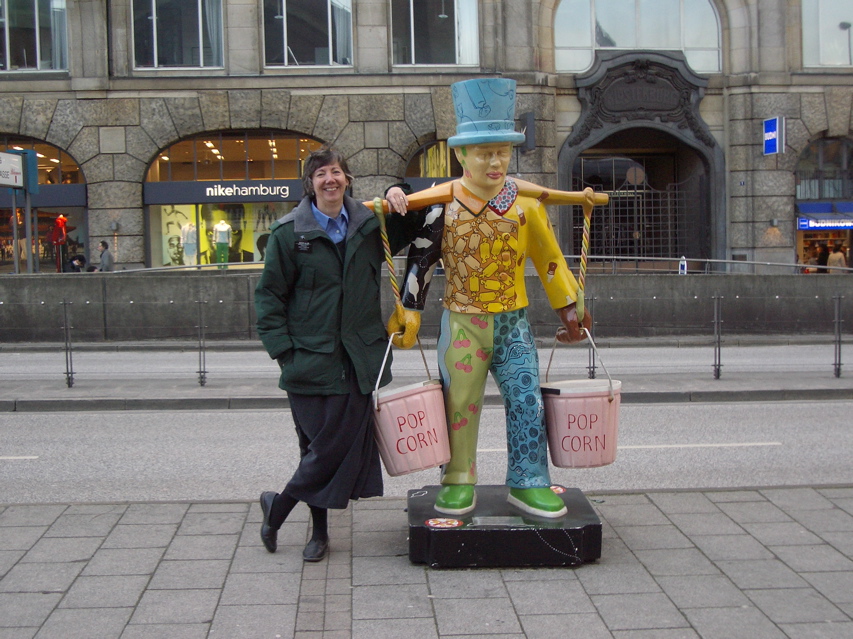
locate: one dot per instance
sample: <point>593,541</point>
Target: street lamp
<point>845,26</point>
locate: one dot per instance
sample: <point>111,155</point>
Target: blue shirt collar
<point>336,228</point>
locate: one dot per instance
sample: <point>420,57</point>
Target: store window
<point>33,35</point>
<point>177,33</point>
<point>62,191</point>
<point>827,36</point>
<point>435,32</point>
<point>434,160</point>
<point>583,26</point>
<point>825,170</point>
<point>307,32</point>
<point>212,198</point>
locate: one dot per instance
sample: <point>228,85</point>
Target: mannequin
<point>189,238</point>
<point>222,242</point>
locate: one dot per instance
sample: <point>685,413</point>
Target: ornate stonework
<point>636,86</point>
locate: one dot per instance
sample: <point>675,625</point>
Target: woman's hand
<point>397,200</point>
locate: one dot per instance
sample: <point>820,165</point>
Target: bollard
<point>69,358</point>
<point>202,347</point>
<point>837,322</point>
<point>718,331</point>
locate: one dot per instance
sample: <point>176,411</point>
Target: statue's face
<point>485,165</point>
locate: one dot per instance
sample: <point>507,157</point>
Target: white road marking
<point>620,447</point>
<point>731,445</point>
<point>18,458</point>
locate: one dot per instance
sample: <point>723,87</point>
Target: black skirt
<point>339,457</point>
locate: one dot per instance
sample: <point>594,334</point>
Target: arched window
<point>241,181</point>
<point>583,26</point>
<point>62,191</point>
<point>434,160</point>
<point>55,166</point>
<point>827,33</point>
<point>233,155</point>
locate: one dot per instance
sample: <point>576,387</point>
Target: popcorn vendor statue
<point>484,227</point>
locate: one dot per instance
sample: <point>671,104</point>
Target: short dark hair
<point>105,244</point>
<point>323,156</point>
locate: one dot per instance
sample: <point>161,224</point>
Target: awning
<point>824,216</point>
<point>814,208</point>
<point>844,207</point>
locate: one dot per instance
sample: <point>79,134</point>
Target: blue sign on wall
<point>774,136</point>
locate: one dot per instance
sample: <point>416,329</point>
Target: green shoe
<point>537,501</point>
<point>456,499</point>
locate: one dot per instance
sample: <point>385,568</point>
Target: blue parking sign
<point>774,142</point>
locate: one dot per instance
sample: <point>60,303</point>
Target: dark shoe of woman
<point>269,535</point>
<point>316,550</point>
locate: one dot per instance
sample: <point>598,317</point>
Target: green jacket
<point>314,307</point>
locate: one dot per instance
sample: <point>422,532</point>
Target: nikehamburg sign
<point>258,190</point>
<point>201,192</point>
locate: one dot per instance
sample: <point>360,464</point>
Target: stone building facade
<point>115,116</point>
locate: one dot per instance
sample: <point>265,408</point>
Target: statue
<point>58,237</point>
<point>484,226</point>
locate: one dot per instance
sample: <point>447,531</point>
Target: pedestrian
<point>107,262</point>
<point>822,258</point>
<point>77,264</point>
<point>319,317</point>
<point>836,260</point>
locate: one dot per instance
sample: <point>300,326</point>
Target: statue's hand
<point>570,332</point>
<point>403,327</point>
<point>589,198</point>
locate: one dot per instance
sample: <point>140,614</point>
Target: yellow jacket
<point>484,250</point>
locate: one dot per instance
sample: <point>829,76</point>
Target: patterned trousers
<point>469,347</point>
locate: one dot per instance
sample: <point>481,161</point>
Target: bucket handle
<point>385,361</point>
<point>600,361</point>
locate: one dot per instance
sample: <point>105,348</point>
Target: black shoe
<point>316,550</point>
<point>268,534</point>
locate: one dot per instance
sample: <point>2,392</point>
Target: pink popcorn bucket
<point>410,426</point>
<point>582,419</point>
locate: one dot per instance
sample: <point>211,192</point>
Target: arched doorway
<point>657,207</point>
<point>62,192</point>
<point>211,198</point>
<point>640,113</point>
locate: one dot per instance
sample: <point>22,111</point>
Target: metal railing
<point>203,336</point>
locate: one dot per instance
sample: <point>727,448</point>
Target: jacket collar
<point>305,222</point>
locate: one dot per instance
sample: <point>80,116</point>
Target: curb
<point>270,403</point>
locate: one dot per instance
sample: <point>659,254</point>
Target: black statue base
<point>498,535</point>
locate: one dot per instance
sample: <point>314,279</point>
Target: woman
<point>319,316</point>
<point>836,260</point>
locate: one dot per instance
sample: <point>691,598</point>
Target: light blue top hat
<point>485,112</point>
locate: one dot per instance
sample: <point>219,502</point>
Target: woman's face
<point>330,183</point>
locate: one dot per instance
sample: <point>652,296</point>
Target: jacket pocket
<point>374,342</point>
<point>311,362</point>
<point>304,292</point>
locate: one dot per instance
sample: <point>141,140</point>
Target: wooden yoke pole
<point>443,193</point>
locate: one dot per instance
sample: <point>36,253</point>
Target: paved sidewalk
<point>714,564</point>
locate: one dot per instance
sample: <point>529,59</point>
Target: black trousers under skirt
<point>339,457</point>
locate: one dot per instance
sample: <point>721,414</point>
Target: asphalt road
<point>225,455</point>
